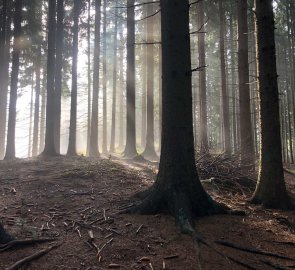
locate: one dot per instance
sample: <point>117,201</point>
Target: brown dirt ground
<point>57,197</point>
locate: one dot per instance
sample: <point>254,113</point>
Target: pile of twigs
<point>226,173</point>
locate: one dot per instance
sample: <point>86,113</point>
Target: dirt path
<point>67,198</point>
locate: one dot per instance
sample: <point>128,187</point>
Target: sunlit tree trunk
<point>114,104</point>
<point>149,151</point>
<point>49,147</point>
<point>130,149</point>
<point>224,95</point>
<point>89,78</point>
<point>121,103</point>
<point>73,117</point>
<point>10,142</point>
<point>270,190</point>
<point>93,151</point>
<point>247,147</point>
<point>43,114</point>
<point>31,118</point>
<point>58,72</point>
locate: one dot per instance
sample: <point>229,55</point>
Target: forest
<point>147,134</point>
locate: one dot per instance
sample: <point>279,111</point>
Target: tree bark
<point>104,81</point>
<point>247,146</point>
<point>73,117</point>
<point>270,190</point>
<point>58,73</point>
<point>49,147</point>
<point>177,188</point>
<point>224,96</point>
<point>114,104</point>
<point>130,149</point>
<point>89,78</point>
<point>10,145</point>
<point>93,151</point>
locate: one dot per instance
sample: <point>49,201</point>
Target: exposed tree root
<point>28,259</point>
<point>19,243</point>
<point>4,236</point>
<point>253,250</point>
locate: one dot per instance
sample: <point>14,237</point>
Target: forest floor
<point>72,198</point>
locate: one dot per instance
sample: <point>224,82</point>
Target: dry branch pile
<point>226,173</point>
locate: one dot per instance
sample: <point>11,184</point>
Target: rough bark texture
<point>130,149</point>
<point>93,151</point>
<point>177,188</point>
<point>202,79</point>
<point>10,142</point>
<point>114,105</point>
<point>247,146</point>
<point>150,152</point>
<point>73,117</point>
<point>49,148</point>
<point>270,190</point>
<point>224,96</point>
<point>58,73</point>
<point>89,77</point>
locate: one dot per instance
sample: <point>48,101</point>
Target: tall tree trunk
<point>224,96</point>
<point>93,151</point>
<point>177,188</point>
<point>73,117</point>
<point>37,102</point>
<point>130,149</point>
<point>104,81</point>
<point>58,72</point>
<point>10,146</point>
<point>31,118</point>
<point>247,146</point>
<point>43,114</point>
<point>121,104</point>
<point>89,78</point>
<point>4,70</point>
<point>49,147</point>
<point>150,151</point>
<point>202,79</point>
<point>114,105</point>
<point>270,190</point>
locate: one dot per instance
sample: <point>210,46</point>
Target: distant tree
<point>104,79</point>
<point>130,148</point>
<point>17,32</point>
<point>247,146</point>
<point>202,78</point>
<point>177,188</point>
<point>49,147</point>
<point>73,117</point>
<point>224,94</point>
<point>150,151</point>
<point>93,151</point>
<point>270,190</point>
<point>114,104</point>
<point>58,72</point>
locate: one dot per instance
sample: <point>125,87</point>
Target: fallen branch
<point>18,243</point>
<point>30,258</point>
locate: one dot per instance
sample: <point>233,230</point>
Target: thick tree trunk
<point>93,151</point>
<point>177,189</point>
<point>43,115</point>
<point>73,117</point>
<point>130,149</point>
<point>247,147</point>
<point>202,79</point>
<point>49,148</point>
<point>270,190</point>
<point>30,142</point>
<point>10,142</point>
<point>224,96</point>
<point>121,104</point>
<point>58,73</point>
<point>114,105</point>
<point>150,152</point>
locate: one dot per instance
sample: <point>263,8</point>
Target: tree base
<point>283,203</point>
<point>4,236</point>
<point>150,154</point>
